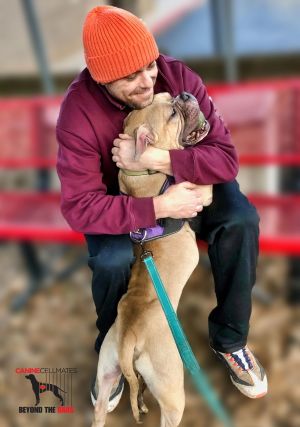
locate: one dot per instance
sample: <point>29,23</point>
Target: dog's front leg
<point>37,397</point>
<point>108,373</point>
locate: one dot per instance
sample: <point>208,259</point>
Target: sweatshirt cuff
<point>142,213</point>
<point>182,163</point>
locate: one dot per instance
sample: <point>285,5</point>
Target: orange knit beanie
<point>116,43</point>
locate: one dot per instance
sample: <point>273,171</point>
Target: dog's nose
<point>184,96</point>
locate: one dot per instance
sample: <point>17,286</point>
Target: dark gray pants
<point>230,227</point>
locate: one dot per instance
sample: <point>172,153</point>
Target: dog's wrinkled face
<point>194,119</point>
<point>167,123</point>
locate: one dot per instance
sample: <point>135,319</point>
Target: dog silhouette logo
<point>41,387</point>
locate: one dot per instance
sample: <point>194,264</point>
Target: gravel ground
<point>57,330</point>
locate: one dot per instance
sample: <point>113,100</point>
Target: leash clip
<point>145,253</point>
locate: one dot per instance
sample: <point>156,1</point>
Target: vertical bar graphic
<point>71,389</point>
<point>65,384</point>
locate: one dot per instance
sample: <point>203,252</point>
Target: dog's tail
<point>126,353</point>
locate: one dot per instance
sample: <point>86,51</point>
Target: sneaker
<point>246,372</point>
<point>114,397</point>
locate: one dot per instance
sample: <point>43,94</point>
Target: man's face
<point>137,89</point>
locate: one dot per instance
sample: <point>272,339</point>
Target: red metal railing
<point>264,120</point>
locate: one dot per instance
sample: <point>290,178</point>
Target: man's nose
<point>184,96</point>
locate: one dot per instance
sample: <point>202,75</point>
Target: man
<point>124,71</point>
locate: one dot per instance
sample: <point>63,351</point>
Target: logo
<point>55,382</point>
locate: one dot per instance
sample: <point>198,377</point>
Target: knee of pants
<point>245,219</point>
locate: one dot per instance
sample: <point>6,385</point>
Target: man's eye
<point>151,65</point>
<point>131,77</point>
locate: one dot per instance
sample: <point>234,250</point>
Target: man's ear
<point>143,136</point>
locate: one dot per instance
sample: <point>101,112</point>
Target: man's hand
<point>153,158</point>
<point>124,153</point>
<point>182,200</point>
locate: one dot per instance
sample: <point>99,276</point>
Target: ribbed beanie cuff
<point>116,43</point>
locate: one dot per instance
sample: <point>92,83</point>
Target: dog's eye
<point>174,112</point>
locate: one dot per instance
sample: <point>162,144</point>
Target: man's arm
<point>85,203</point>
<point>89,209</point>
<point>214,160</point>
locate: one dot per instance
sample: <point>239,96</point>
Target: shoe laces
<point>240,359</point>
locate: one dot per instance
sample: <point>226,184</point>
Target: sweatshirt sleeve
<point>85,203</point>
<point>214,159</point>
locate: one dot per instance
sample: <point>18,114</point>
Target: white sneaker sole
<point>261,388</point>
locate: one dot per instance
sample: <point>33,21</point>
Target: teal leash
<point>185,351</point>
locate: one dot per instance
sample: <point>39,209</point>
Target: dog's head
<point>167,123</point>
<point>29,377</point>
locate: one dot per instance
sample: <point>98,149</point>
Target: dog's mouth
<point>196,127</point>
<point>198,133</point>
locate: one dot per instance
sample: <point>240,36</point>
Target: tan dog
<point>140,344</point>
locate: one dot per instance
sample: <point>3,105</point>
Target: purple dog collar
<point>145,234</point>
<point>164,227</point>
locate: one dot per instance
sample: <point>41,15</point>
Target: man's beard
<point>140,105</point>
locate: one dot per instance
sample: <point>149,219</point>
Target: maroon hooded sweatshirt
<point>90,119</point>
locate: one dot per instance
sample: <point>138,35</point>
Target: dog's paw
<point>143,409</point>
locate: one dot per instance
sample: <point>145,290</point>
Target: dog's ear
<point>143,135</point>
